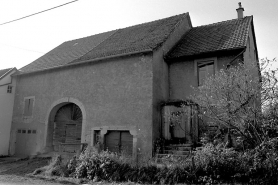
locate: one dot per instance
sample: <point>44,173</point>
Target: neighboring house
<point>111,89</point>
<point>7,89</point>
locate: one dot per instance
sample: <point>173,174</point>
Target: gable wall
<point>250,53</point>
<point>183,76</point>
<point>7,79</point>
<point>6,109</point>
<point>114,93</point>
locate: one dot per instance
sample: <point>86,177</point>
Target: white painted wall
<point>6,110</point>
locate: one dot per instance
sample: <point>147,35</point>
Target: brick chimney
<point>240,11</point>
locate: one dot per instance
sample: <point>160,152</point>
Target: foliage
<point>212,164</point>
<point>55,168</point>
<point>236,98</point>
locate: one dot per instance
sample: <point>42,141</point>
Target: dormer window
<point>9,89</point>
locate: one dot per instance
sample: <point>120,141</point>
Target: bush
<point>212,164</point>
<point>55,168</point>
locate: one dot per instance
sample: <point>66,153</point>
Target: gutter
<point>86,61</point>
<point>203,53</point>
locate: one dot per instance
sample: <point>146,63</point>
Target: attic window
<point>9,89</point>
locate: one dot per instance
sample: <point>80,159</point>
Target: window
<point>204,69</point>
<point>9,89</point>
<point>28,106</point>
<point>96,137</point>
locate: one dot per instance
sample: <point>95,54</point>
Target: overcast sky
<point>23,41</point>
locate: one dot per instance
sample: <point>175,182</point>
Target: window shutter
<point>31,105</point>
<point>126,143</point>
<point>112,141</point>
<point>26,105</point>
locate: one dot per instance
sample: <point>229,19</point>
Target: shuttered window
<point>119,142</point>
<point>28,107</point>
<point>205,70</point>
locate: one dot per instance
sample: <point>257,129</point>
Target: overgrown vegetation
<point>212,164</point>
<point>232,100</point>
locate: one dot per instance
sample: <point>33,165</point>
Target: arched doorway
<point>67,128</point>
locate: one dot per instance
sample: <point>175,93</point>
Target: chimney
<point>240,11</point>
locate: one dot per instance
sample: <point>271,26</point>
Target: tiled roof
<point>4,71</point>
<point>225,35</point>
<point>135,38</point>
<point>66,52</point>
<point>122,41</point>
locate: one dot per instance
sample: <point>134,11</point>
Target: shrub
<point>55,168</point>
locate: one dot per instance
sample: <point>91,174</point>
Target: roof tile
<point>224,35</point>
<point>122,41</point>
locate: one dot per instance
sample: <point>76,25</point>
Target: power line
<point>38,12</point>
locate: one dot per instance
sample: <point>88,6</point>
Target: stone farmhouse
<point>112,90</point>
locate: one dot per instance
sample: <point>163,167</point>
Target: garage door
<point>26,142</point>
<point>119,142</point>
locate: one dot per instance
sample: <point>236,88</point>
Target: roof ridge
<point>153,21</point>
<point>221,22</point>
<point>184,15</point>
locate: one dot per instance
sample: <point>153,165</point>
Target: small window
<point>205,70</point>
<point>29,131</point>
<point>97,137</point>
<point>28,106</point>
<point>9,89</point>
<point>34,131</point>
<point>19,131</point>
<point>23,131</point>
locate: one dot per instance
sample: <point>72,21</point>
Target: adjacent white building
<point>7,89</point>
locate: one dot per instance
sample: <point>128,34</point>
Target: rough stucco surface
<point>183,76</point>
<point>113,93</point>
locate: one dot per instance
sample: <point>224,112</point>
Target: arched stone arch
<point>50,116</point>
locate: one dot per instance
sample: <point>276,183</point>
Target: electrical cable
<point>37,13</point>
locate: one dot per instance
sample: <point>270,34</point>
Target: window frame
<point>197,63</point>
<point>24,106</point>
<point>10,89</point>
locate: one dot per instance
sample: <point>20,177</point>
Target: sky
<point>23,41</point>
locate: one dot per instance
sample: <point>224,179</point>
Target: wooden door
<point>67,128</point>
<point>119,142</point>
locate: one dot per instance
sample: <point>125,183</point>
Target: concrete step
<point>179,148</point>
<point>177,152</point>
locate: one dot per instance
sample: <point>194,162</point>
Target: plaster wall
<point>6,109</point>
<point>116,92</point>
<point>183,77</point>
<point>161,74</point>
